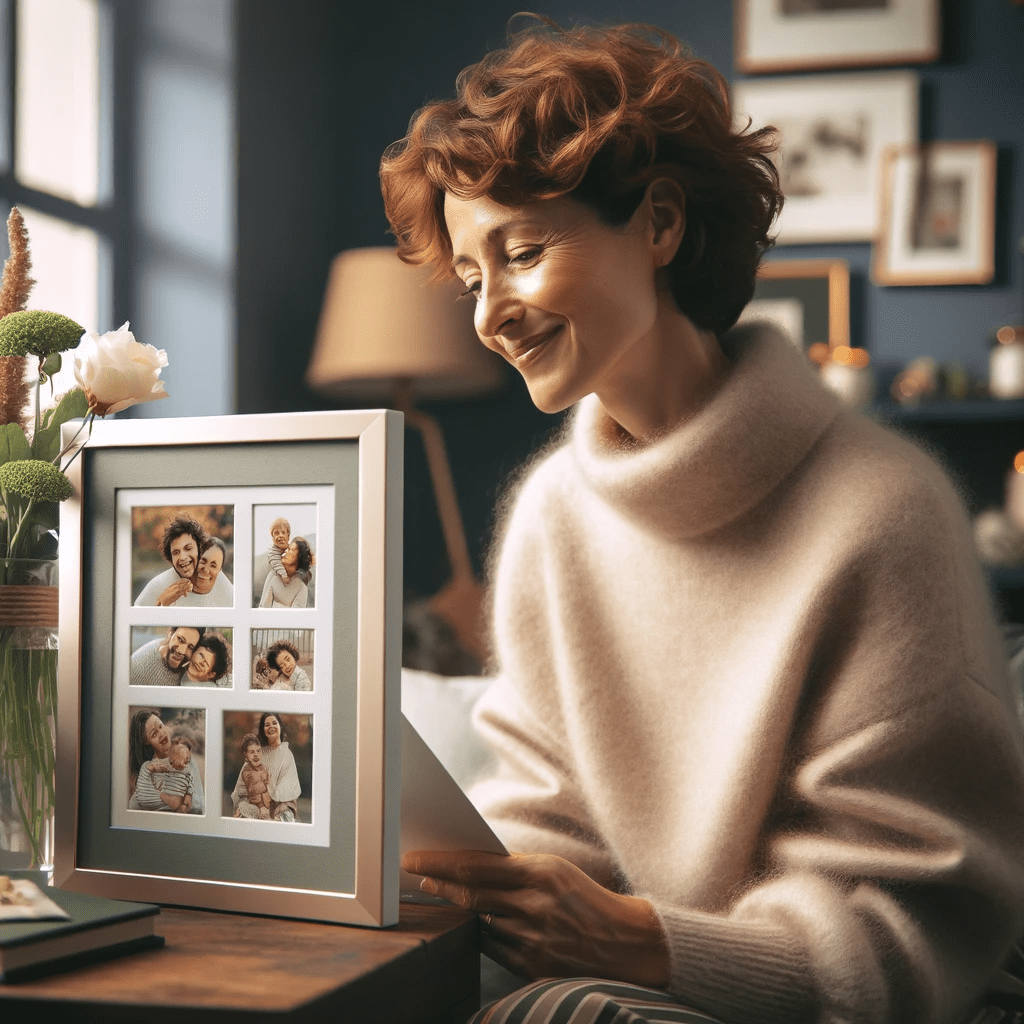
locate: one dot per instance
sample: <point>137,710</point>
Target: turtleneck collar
<point>723,460</point>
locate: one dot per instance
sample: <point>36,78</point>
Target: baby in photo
<point>165,784</point>
<point>256,779</point>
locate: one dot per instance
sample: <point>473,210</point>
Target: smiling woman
<point>722,725</point>
<point>197,557</point>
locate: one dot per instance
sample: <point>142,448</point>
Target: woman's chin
<point>550,399</point>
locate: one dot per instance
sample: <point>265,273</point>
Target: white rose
<point>115,371</point>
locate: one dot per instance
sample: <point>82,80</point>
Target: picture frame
<point>803,35</point>
<point>206,788</point>
<point>937,215</point>
<point>809,299</point>
<point>834,130</point>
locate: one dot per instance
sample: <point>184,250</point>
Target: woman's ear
<point>665,203</point>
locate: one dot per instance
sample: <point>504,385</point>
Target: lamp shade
<point>383,321</point>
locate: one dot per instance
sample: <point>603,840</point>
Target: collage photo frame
<point>229,673</point>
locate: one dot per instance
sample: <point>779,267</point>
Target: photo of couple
<point>282,573</point>
<point>166,755</point>
<point>268,766</point>
<point>282,659</point>
<point>180,656</point>
<point>196,545</point>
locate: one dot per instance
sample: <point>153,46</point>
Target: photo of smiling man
<point>163,661</point>
<point>195,542</point>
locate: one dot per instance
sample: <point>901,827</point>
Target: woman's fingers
<point>469,867</point>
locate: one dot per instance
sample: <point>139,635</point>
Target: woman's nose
<point>497,308</point>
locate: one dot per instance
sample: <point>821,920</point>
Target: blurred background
<point>194,166</point>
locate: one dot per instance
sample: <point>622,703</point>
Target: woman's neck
<point>665,378</point>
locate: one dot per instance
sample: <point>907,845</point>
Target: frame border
<point>883,268</point>
<point>380,437</point>
<point>836,272</point>
<point>917,38</point>
<point>891,98</point>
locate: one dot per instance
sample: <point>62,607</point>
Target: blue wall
<point>322,91</point>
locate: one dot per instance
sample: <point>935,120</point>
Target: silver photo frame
<point>208,828</point>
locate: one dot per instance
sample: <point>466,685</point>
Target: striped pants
<point>587,1001</point>
<point>594,1001</point>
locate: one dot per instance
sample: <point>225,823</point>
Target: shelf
<point>977,410</point>
<point>1005,579</point>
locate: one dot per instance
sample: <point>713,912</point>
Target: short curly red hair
<point>595,114</point>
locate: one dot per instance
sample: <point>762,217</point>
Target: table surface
<point>218,966</point>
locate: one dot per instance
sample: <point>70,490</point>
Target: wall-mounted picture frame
<point>833,132</point>
<point>808,299</point>
<point>937,214</point>
<point>183,775</point>
<point>802,35</point>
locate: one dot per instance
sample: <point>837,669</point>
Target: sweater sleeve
<point>892,885</point>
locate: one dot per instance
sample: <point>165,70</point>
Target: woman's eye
<point>471,289</point>
<point>526,256</point>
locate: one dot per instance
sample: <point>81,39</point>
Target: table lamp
<point>386,331</point>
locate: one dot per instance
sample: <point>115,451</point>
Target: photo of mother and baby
<point>164,762</point>
<point>195,578</point>
<point>274,781</point>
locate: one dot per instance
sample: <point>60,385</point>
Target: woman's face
<point>569,301</point>
<point>285,663</point>
<point>157,736</point>
<point>210,562</point>
<point>202,666</point>
<point>272,730</point>
<point>290,557</point>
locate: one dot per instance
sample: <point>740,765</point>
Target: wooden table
<point>230,967</point>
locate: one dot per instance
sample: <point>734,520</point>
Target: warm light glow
<point>1008,334</point>
<point>843,355</point>
<point>1018,462</point>
<point>860,358</point>
<point>819,353</point>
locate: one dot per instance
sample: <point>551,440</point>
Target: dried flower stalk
<point>14,390</point>
<point>14,292</point>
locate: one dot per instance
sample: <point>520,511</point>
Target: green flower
<point>34,332</point>
<point>41,481</point>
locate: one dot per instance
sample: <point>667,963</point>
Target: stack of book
<point>95,929</point>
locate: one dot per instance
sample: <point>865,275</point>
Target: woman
<point>755,734</point>
<point>285,788</point>
<point>149,738</point>
<point>283,658</point>
<point>211,587</point>
<point>297,561</point>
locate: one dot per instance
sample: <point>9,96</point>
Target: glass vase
<point>28,701</point>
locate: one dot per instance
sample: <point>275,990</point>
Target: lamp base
<point>462,603</point>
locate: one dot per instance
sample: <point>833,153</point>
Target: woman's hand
<point>544,917</point>
<point>178,589</point>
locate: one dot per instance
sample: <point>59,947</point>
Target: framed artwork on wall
<point>808,299</point>
<point>225,742</point>
<point>938,215</point>
<point>833,131</point>
<point>801,35</point>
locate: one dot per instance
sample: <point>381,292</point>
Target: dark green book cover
<point>45,942</point>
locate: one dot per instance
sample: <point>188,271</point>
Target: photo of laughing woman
<point>196,543</point>
<point>283,764</point>
<point>165,761</point>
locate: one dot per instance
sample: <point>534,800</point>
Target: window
<point>56,159</point>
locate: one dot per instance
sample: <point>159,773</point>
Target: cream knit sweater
<point>750,672</point>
